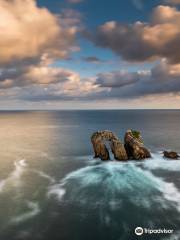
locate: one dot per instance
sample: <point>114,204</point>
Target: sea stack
<point>99,140</point>
<point>171,154</point>
<point>134,146</point>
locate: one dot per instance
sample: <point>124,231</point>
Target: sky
<point>89,54</point>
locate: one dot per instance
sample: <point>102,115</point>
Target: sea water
<point>51,188</point>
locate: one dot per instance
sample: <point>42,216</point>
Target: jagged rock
<point>171,154</point>
<point>98,140</point>
<point>134,146</point>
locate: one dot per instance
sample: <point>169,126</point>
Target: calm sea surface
<point>51,188</point>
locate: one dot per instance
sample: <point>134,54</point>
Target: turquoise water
<point>52,188</point>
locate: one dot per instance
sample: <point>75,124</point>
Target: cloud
<point>92,59</point>
<point>29,32</point>
<point>73,88</point>
<point>69,91</point>
<point>161,79</point>
<point>66,85</point>
<point>173,2</point>
<point>144,41</point>
<point>10,78</point>
<point>46,75</point>
<point>32,38</point>
<point>42,82</point>
<point>39,75</point>
<point>116,79</point>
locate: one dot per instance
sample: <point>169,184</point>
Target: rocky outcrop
<point>171,154</point>
<point>134,146</point>
<point>100,149</point>
<point>99,140</point>
<point>118,150</point>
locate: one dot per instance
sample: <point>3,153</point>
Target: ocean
<point>51,188</point>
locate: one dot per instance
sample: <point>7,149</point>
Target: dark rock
<point>134,146</point>
<point>99,140</point>
<point>171,154</point>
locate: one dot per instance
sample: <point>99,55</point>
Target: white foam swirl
<point>13,178</point>
<point>109,183</point>
<point>32,210</point>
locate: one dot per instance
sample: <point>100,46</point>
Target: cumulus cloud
<point>144,41</point>
<point>57,92</point>
<point>44,82</point>
<point>161,79</point>
<point>31,38</point>
<point>116,79</point>
<point>68,85</point>
<point>37,75</point>
<point>23,76</point>
<point>46,75</point>
<point>27,32</point>
<point>73,88</point>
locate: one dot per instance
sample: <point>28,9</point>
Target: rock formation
<point>171,154</point>
<point>99,140</point>
<point>134,146</point>
<point>118,150</point>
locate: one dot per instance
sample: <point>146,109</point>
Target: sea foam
<point>33,209</point>
<point>13,178</point>
<point>110,183</point>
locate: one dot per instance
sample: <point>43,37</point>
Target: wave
<point>14,180</point>
<point>108,187</point>
<point>57,190</point>
<point>44,175</point>
<point>120,194</point>
<point>116,186</point>
<point>33,209</point>
<point>14,177</point>
<point>159,162</point>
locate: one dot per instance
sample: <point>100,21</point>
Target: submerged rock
<point>134,146</point>
<point>99,140</point>
<point>171,154</point>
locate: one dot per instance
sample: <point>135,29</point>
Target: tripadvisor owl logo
<point>139,231</point>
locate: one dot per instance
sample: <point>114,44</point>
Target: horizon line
<point>90,109</point>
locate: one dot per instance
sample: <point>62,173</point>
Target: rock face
<point>134,146</point>
<point>171,154</point>
<point>99,140</point>
<point>118,150</point>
